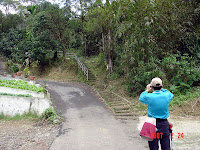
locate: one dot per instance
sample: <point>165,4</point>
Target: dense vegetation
<point>136,40</point>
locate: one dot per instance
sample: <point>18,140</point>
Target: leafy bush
<point>51,115</point>
<point>177,72</point>
<point>8,64</point>
<point>11,67</point>
<point>26,71</point>
<point>14,67</point>
<point>114,76</point>
<point>139,77</point>
<point>102,60</point>
<point>181,71</point>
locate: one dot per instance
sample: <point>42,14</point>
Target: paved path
<point>88,124</point>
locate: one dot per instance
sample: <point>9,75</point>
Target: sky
<point>60,2</point>
<point>56,2</point>
<point>12,11</point>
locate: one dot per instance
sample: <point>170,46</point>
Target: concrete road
<point>88,124</point>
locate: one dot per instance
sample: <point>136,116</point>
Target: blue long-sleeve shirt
<point>158,103</point>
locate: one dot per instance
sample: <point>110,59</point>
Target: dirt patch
<point>61,73</point>
<point>25,134</point>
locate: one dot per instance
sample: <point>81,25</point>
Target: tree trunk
<point>49,61</point>
<point>103,42</point>
<point>109,58</point>
<point>55,56</point>
<point>85,45</point>
<point>109,64</point>
<point>64,49</point>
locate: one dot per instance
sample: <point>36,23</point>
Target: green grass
<point>20,95</point>
<point>19,84</point>
<point>49,115</point>
<point>31,116</point>
<point>190,95</point>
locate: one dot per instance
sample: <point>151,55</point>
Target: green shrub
<point>14,67</point>
<point>177,72</point>
<point>139,77</point>
<point>114,76</point>
<point>8,64</point>
<point>51,115</point>
<point>11,67</point>
<point>26,71</point>
<point>102,60</point>
<point>181,71</point>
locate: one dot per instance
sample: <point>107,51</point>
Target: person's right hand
<point>148,88</point>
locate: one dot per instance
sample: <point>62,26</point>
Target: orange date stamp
<point>159,135</point>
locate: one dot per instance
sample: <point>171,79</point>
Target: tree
<point>49,29</point>
<point>9,42</point>
<point>99,22</point>
<point>58,26</point>
<point>1,22</point>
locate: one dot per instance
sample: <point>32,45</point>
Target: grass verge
<point>49,115</point>
<point>19,95</point>
<point>30,116</point>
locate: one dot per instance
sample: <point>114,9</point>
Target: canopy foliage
<point>139,39</point>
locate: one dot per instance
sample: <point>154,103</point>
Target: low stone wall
<point>12,105</point>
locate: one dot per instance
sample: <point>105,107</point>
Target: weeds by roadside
<point>49,115</point>
<point>30,116</point>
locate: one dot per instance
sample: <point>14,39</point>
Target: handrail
<point>80,63</point>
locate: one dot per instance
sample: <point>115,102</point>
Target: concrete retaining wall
<point>12,105</point>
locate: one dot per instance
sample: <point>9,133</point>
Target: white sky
<point>60,2</point>
<point>12,11</point>
<point>57,2</point>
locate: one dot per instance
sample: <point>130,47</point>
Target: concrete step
<point>123,111</point>
<point>127,117</point>
<point>118,104</point>
<point>116,101</point>
<point>125,114</point>
<point>125,107</point>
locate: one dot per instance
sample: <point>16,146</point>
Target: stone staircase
<point>91,77</point>
<point>121,108</point>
